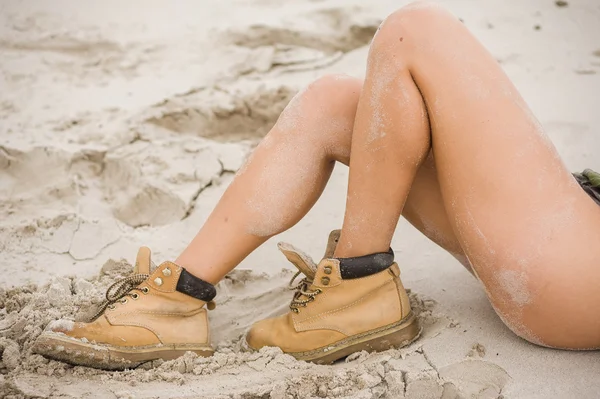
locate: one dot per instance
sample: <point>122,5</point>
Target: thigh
<point>425,210</point>
<point>525,225</point>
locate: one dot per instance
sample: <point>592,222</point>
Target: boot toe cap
<point>55,334</point>
<point>276,331</point>
<point>63,326</point>
<point>258,335</point>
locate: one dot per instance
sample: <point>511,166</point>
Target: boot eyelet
<point>166,272</point>
<point>145,290</point>
<point>158,281</point>
<point>327,270</point>
<point>295,310</point>
<point>135,295</point>
<point>123,301</point>
<point>318,291</point>
<point>111,307</point>
<point>325,280</point>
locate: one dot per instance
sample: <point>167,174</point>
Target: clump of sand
<point>112,142</point>
<point>245,296</point>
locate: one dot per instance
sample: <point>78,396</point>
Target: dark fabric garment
<point>590,182</point>
<point>196,287</point>
<point>362,266</point>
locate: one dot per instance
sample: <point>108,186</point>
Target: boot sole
<point>392,336</point>
<point>76,352</point>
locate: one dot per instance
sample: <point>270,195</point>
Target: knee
<point>332,93</point>
<point>328,99</point>
<point>411,24</point>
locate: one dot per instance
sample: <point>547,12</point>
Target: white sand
<point>119,115</point>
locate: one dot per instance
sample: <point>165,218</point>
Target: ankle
<point>347,249</point>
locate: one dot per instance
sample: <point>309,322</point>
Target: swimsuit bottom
<point>590,182</point>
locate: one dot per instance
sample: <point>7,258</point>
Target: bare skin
<point>440,135</point>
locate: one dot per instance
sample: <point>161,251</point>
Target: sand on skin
<point>115,119</point>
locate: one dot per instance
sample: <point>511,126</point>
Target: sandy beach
<point>122,123</point>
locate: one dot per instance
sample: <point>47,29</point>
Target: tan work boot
<point>145,317</point>
<point>340,307</point>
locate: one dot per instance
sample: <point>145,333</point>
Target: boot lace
<point>120,289</point>
<point>302,290</point>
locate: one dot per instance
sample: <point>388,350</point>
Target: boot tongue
<point>332,242</point>
<point>302,261</point>
<point>143,262</point>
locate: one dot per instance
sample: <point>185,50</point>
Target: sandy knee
<point>417,15</point>
<point>333,96</point>
<point>323,113</point>
<point>330,84</point>
<point>406,28</point>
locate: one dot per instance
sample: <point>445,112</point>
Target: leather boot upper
<point>328,308</point>
<point>152,313</point>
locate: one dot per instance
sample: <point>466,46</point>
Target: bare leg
<point>281,181</point>
<point>286,174</point>
<point>425,210</point>
<point>528,230</point>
